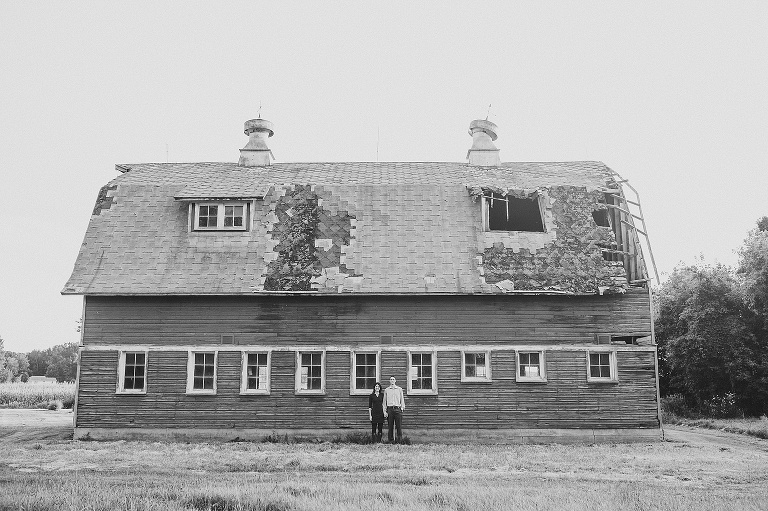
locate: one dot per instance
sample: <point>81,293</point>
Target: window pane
<point>228,221</point>
<point>534,357</point>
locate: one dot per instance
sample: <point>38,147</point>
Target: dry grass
<point>37,395</point>
<point>757,427</point>
<point>280,477</point>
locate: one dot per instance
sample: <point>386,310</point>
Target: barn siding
<point>566,400</point>
<point>360,320</point>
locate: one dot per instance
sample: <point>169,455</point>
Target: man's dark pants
<point>394,418</point>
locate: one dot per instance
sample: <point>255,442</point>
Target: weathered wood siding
<point>360,320</point>
<point>566,400</point>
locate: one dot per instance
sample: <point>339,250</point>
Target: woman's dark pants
<point>377,424</point>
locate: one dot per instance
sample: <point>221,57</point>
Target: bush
<point>675,405</point>
<point>722,407</point>
<point>55,404</point>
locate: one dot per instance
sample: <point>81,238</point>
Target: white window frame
<point>353,390</point>
<point>244,390</point>
<point>191,372</point>
<point>121,372</point>
<point>542,377</point>
<point>476,379</point>
<point>219,216</point>
<point>297,382</point>
<point>433,390</point>
<point>614,377</point>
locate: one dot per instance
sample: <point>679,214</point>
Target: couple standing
<point>389,404</point>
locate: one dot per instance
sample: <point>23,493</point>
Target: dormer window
<point>510,213</point>
<point>220,216</point>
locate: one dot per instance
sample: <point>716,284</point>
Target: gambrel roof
<point>346,228</point>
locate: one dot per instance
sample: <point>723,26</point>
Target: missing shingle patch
<point>103,201</point>
<point>309,244</point>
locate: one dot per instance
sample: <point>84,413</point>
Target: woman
<point>376,411</point>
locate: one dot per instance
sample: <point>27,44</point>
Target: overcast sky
<point>672,95</point>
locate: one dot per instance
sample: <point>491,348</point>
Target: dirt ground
<point>23,425</point>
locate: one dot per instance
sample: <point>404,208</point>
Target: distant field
<point>37,395</point>
<point>696,470</point>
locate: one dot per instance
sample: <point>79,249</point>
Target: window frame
<point>612,364</point>
<point>121,372</point>
<point>486,207</point>
<point>244,390</point>
<point>191,372</point>
<point>297,379</point>
<point>221,209</point>
<point>423,392</point>
<point>353,390</point>
<point>542,378</point>
<point>476,379</point>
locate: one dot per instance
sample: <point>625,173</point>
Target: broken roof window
<point>510,213</point>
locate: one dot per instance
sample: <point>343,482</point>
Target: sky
<point>671,95</point>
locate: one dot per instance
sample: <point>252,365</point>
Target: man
<point>394,406</point>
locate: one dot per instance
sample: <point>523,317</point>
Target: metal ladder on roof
<point>633,211</point>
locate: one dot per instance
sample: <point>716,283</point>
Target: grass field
<point>757,427</point>
<point>37,395</point>
<point>64,475</point>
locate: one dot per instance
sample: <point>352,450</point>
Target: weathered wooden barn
<point>223,300</point>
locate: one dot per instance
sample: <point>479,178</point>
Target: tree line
<point>712,332</point>
<point>58,362</point>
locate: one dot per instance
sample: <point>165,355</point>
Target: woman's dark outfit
<point>377,414</point>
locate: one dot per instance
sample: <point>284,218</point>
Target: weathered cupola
<point>483,152</point>
<point>256,153</point>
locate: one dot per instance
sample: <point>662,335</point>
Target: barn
<point>238,300</point>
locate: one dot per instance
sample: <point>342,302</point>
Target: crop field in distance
<point>37,395</point>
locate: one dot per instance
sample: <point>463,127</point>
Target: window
<point>201,372</point>
<point>132,372</point>
<point>220,216</point>
<point>255,376</point>
<point>601,366</point>
<point>510,213</point>
<point>530,366</point>
<point>422,377</point>
<point>365,372</point>
<point>310,372</point>
<point>476,366</point>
